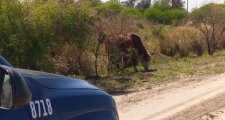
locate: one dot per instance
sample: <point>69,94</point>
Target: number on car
<point>41,108</point>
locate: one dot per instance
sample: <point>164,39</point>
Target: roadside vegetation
<point>68,37</point>
<point>169,69</point>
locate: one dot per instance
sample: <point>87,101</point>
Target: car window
<point>6,96</point>
<point>4,62</point>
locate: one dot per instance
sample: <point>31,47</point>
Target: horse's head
<point>145,60</point>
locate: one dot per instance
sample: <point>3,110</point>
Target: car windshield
<point>4,62</point>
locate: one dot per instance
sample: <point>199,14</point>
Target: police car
<point>34,95</point>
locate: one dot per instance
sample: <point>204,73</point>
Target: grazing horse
<point>126,49</point>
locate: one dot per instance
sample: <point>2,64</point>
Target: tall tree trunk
<point>96,58</point>
<point>211,48</point>
<point>79,62</point>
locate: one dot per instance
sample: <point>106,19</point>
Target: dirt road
<point>183,100</point>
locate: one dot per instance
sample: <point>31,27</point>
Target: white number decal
<point>33,110</point>
<point>39,106</point>
<point>49,106</point>
<point>43,105</point>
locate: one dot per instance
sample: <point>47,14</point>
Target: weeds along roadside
<point>68,38</point>
<point>186,57</point>
<point>170,69</point>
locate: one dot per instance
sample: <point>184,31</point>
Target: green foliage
<point>169,69</point>
<point>110,8</point>
<point>68,37</point>
<point>132,57</point>
<point>160,12</point>
<point>162,5</point>
<point>75,25</point>
<point>33,31</point>
<point>130,3</point>
<point>177,4</point>
<point>164,15</point>
<point>169,4</point>
<point>154,14</point>
<point>159,31</point>
<point>28,38</point>
<point>204,12</point>
<point>177,14</point>
<point>89,3</point>
<point>143,4</point>
<point>210,20</point>
<point>132,12</point>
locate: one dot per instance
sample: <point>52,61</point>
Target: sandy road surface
<point>182,100</point>
<point>216,115</point>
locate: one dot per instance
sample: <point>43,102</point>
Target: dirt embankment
<point>181,100</point>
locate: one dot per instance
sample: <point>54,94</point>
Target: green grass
<point>168,69</point>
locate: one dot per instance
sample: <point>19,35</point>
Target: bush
<point>221,43</point>
<point>210,20</point>
<point>164,16</point>
<point>159,31</point>
<point>176,14</point>
<point>27,33</point>
<point>32,31</point>
<point>183,41</point>
<point>110,8</point>
<point>132,12</point>
<point>154,14</point>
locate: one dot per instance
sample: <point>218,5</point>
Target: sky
<point>195,3</point>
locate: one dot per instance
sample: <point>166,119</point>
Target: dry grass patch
<point>183,42</point>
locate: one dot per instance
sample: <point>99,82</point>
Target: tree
<point>210,19</point>
<point>132,12</point>
<point>172,4</point>
<point>111,8</point>
<point>177,4</point>
<point>161,12</point>
<point>88,3</point>
<point>144,4</point>
<point>163,5</point>
<point>115,1</point>
<point>65,1</point>
<point>129,3</point>
<point>99,39</point>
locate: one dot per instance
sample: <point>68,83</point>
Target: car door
<point>19,114</point>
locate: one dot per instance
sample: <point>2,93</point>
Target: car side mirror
<point>14,91</point>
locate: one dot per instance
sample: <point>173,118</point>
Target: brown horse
<point>119,51</point>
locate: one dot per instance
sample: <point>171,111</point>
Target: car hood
<point>54,81</point>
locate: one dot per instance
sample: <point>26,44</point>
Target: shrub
<point>176,14</point>
<point>154,14</point>
<point>183,41</point>
<point>27,33</point>
<point>159,31</point>
<point>164,16</point>
<point>210,20</point>
<point>110,8</point>
<point>132,12</point>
